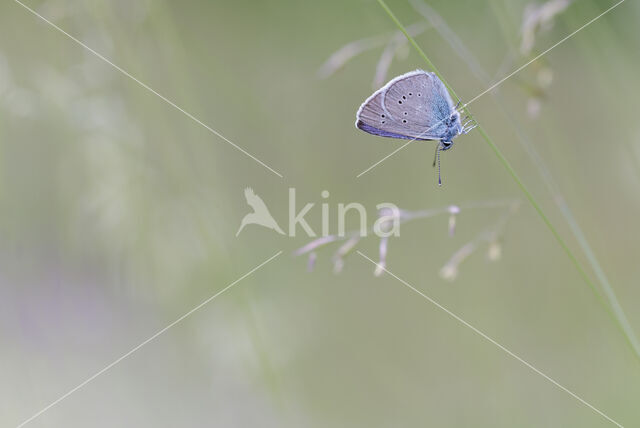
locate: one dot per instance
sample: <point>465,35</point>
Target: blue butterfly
<point>413,106</point>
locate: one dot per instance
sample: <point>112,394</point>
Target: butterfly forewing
<point>414,105</point>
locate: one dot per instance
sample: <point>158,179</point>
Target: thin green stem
<point>624,328</point>
<point>563,206</point>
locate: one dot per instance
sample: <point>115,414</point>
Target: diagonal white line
<point>386,157</point>
<point>499,82</point>
<point>53,403</point>
<point>423,134</point>
<point>483,335</point>
<point>147,87</point>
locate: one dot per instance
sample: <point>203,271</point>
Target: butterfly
<point>414,106</point>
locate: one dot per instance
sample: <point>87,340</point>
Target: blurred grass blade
<point>466,55</point>
<point>614,311</point>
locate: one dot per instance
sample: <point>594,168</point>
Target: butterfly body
<point>453,127</point>
<point>413,106</point>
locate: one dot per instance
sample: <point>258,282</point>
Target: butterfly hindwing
<point>374,119</point>
<point>412,106</point>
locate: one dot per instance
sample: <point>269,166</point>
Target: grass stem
<point>614,310</point>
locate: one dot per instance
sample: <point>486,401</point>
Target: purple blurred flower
<point>382,264</point>
<point>315,244</point>
<point>311,263</point>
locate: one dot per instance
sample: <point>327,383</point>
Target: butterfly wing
<point>411,106</point>
<point>374,119</point>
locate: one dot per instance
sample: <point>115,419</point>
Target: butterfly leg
<point>468,125</point>
<point>435,156</point>
<point>469,128</point>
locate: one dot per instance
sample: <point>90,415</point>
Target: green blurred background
<point>119,214</point>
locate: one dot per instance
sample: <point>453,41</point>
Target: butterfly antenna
<point>438,159</point>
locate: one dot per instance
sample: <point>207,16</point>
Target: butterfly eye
<point>419,94</point>
<point>404,120</point>
<point>404,98</point>
<point>405,113</point>
<point>382,115</point>
<point>399,101</point>
<point>410,93</point>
